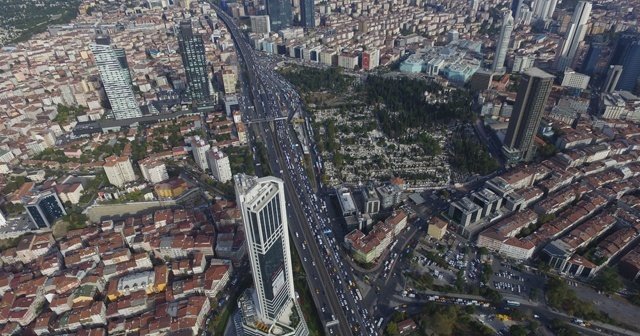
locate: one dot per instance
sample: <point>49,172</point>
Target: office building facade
<point>280,14</point>
<point>503,41</point>
<point>116,78</point>
<point>574,36</point>
<point>263,207</point>
<point>627,54</point>
<point>44,208</point>
<point>613,76</point>
<point>195,63</point>
<point>307,16</point>
<point>534,90</point>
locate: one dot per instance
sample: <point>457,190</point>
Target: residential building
<point>195,63</point>
<point>219,165</point>
<point>437,228</point>
<point>543,9</point>
<point>574,35</point>
<point>534,90</point>
<point>260,24</point>
<point>280,14</point>
<point>153,170</point>
<point>229,81</point>
<point>44,208</point>
<point>264,214</point>
<point>116,79</point>
<point>119,170</point>
<point>503,41</point>
<point>199,148</point>
<point>523,62</point>
<point>572,79</point>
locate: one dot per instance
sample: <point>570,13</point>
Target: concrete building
<point>116,79</point>
<point>521,63</point>
<point>219,165</point>
<point>437,228</point>
<point>575,80</point>
<point>229,81</point>
<point>153,170</point>
<point>44,208</point>
<point>271,302</point>
<point>119,170</point>
<point>260,24</point>
<point>531,100</point>
<point>347,204</point>
<point>371,201</point>
<point>487,200</point>
<point>199,149</point>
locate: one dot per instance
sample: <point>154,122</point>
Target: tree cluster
<point>309,79</point>
<point>469,156</point>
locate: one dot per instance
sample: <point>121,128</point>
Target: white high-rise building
<point>544,9</point>
<point>116,79</point>
<point>574,36</point>
<point>219,165</point>
<point>264,214</point>
<point>119,170</point>
<point>199,148</point>
<point>153,170</point>
<point>503,41</point>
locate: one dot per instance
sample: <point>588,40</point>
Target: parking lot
<point>511,280</point>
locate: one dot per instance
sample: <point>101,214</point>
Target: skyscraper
<point>574,36</point>
<point>195,63</point>
<point>543,9</point>
<point>590,63</point>
<point>613,76</point>
<point>263,207</point>
<point>533,92</point>
<point>44,208</point>
<point>116,79</point>
<point>307,13</point>
<point>515,9</point>
<point>503,41</point>
<point>627,54</point>
<point>279,12</point>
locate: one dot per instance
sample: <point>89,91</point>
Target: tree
<point>518,330</point>
<point>607,280</point>
<point>392,328</point>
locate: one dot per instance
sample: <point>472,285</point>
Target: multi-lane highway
<point>337,298</point>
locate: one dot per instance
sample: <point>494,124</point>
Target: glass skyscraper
<point>279,12</point>
<point>263,207</point>
<point>503,42</point>
<point>307,13</point>
<point>533,92</point>
<point>116,79</point>
<point>195,63</point>
<point>627,54</point>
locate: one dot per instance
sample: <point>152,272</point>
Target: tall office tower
<point>264,214</point>
<point>543,9</point>
<point>627,54</point>
<point>116,79</point>
<point>307,9</point>
<point>475,4</point>
<point>503,41</point>
<point>195,63</point>
<point>44,208</point>
<point>516,5</point>
<point>534,90</point>
<point>592,58</point>
<point>613,77</point>
<point>280,14</point>
<point>574,36</point>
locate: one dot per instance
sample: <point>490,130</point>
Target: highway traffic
<point>331,281</point>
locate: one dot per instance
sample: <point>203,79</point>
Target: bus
<point>513,303</point>
<point>358,294</point>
